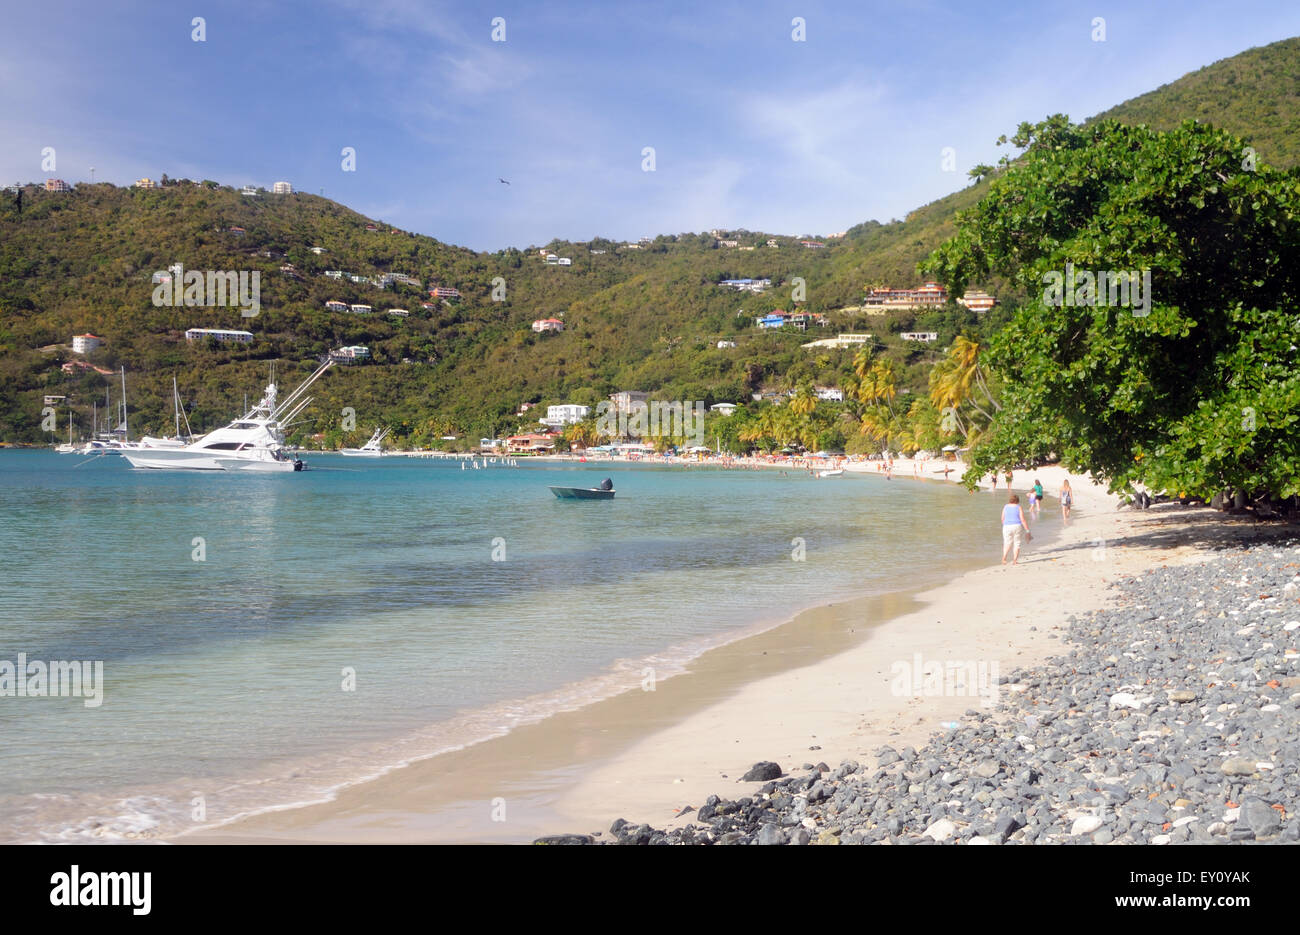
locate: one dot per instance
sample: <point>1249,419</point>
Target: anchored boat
<point>252,443</point>
<point>604,492</point>
<point>371,449</point>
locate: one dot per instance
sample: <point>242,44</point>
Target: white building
<point>566,414</point>
<point>725,409</point>
<point>722,344</point>
<point>977,301</point>
<point>349,355</point>
<point>220,335</point>
<point>830,394</point>
<point>924,337</point>
<point>548,324</point>
<point>85,343</point>
<point>629,400</point>
<point>282,188</point>
<point>361,309</point>
<point>841,340</point>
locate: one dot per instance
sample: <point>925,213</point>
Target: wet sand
<point>828,680</point>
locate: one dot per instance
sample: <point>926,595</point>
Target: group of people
<point>1015,528</point>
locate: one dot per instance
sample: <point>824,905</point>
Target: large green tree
<point>1193,385</point>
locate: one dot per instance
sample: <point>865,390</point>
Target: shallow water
<point>266,639</point>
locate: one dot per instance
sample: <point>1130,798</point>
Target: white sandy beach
<point>785,695</point>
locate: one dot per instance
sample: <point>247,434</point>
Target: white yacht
<point>371,449</point>
<point>254,442</point>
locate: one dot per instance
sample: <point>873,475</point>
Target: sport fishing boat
<point>252,443</point>
<point>371,449</point>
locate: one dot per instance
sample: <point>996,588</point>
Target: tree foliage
<point>1196,392</point>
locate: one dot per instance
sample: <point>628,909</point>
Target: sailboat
<point>371,449</point>
<point>67,448</point>
<point>177,440</point>
<point>253,442</point>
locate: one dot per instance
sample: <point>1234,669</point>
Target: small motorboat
<point>837,472</point>
<point>604,492</point>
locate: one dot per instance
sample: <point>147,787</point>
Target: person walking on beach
<point>1008,480</point>
<point>1015,531</point>
<point>995,480</point>
<point>1038,495</point>
<point>1067,500</point>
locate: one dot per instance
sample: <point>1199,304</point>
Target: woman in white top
<point>1014,529</point>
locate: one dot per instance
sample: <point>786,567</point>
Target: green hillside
<point>1254,95</point>
<point>647,319</point>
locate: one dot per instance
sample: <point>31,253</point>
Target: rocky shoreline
<point>1174,717</point>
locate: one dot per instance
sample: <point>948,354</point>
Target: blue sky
<point>750,128</point>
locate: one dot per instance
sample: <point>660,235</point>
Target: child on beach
<point>1038,495</point>
<point>995,480</point>
<point>1067,500</point>
<point>1015,531</point>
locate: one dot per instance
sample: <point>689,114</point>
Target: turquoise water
<point>224,679</point>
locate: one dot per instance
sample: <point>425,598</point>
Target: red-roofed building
<point>548,324</point>
<point>530,443</point>
<point>85,343</point>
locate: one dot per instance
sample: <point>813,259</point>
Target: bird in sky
<point>503,181</point>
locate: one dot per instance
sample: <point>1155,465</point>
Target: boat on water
<point>371,449</point>
<point>836,472</point>
<point>253,443</point>
<point>604,492</point>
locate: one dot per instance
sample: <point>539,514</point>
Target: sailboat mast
<point>176,402</point>
<point>125,428</point>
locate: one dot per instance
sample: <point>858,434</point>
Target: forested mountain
<point>645,317</point>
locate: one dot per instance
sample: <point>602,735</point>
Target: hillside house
<point>85,343</point>
<point>626,401</point>
<point>350,355</point>
<point>565,414</point>
<point>220,335</point>
<point>977,301</point>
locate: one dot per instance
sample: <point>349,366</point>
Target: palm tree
<point>804,402</point>
<point>954,379</point>
<point>879,384</point>
<point>862,361</point>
